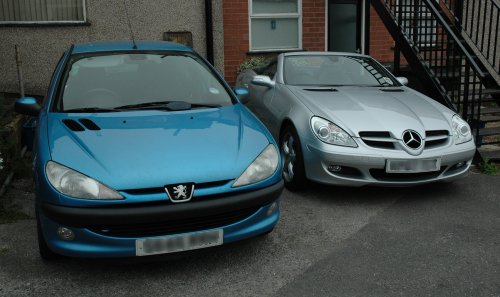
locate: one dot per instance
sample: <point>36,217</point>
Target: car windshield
<point>335,70</point>
<point>102,83</point>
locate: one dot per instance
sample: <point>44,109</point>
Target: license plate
<point>413,166</point>
<point>178,243</point>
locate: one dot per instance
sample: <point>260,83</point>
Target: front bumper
<point>362,166</point>
<point>112,231</point>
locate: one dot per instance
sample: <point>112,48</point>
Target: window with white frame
<point>275,25</point>
<point>42,11</point>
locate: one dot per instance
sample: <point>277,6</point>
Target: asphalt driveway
<point>436,240</point>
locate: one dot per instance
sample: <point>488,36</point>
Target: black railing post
<point>459,11</point>
<point>397,51</point>
<point>465,103</point>
<point>414,21</point>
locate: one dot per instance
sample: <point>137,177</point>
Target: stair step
<point>487,93</point>
<point>489,131</point>
<point>490,118</point>
<point>493,155</point>
<point>491,91</point>
<point>483,100</point>
<point>489,110</point>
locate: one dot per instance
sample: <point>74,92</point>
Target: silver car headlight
<point>461,130</point>
<point>330,133</point>
<point>76,185</point>
<point>261,168</point>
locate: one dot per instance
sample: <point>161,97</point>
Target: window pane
<point>333,70</point>
<point>274,6</point>
<point>275,34</point>
<point>109,81</point>
<point>41,10</point>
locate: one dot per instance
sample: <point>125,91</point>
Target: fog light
<point>272,208</point>
<point>460,164</point>
<point>65,233</point>
<point>334,168</point>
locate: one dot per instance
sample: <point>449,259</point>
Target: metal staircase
<point>454,56</point>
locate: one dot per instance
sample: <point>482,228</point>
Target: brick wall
<point>235,19</point>
<point>381,42</point>
<point>313,34</point>
<point>236,32</point>
<point>313,25</point>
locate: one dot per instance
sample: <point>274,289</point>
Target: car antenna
<point>129,25</point>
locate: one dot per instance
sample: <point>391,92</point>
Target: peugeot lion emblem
<point>412,139</point>
<point>180,192</point>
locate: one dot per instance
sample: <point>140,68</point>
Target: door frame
<point>363,24</point>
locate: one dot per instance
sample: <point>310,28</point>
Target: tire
<point>45,252</point>
<point>293,161</point>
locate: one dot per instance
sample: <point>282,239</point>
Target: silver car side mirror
<point>263,80</point>
<point>402,80</point>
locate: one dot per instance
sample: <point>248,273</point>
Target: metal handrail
<point>448,29</point>
<point>438,55</point>
<point>450,32</point>
<point>473,26</point>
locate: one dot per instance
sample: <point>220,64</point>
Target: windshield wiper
<point>90,109</point>
<point>165,105</point>
<point>145,105</point>
<point>196,105</point>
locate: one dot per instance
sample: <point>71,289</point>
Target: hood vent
<point>89,124</point>
<point>392,90</point>
<point>73,125</point>
<point>322,90</point>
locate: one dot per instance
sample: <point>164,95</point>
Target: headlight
<point>330,133</point>
<point>461,130</point>
<point>261,168</point>
<point>74,184</point>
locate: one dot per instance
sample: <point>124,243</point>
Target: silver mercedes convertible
<point>344,119</point>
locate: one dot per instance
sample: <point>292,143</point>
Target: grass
<point>3,250</point>
<point>488,167</point>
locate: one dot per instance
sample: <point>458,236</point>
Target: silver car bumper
<point>363,166</point>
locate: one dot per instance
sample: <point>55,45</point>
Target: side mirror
<point>402,80</point>
<point>242,94</point>
<point>27,106</point>
<point>263,80</point>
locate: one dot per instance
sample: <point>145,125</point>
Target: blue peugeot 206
<point>141,148</point>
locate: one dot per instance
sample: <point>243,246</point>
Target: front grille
<point>149,191</point>
<point>435,138</point>
<point>176,226</point>
<point>378,139</point>
<point>384,140</point>
<point>381,175</point>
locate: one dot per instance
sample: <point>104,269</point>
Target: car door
<point>261,101</point>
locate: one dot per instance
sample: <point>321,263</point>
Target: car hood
<point>358,109</point>
<point>144,149</point>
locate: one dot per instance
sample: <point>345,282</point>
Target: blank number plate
<point>413,166</point>
<point>178,243</point>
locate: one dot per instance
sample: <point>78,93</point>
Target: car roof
<point>128,45</point>
<point>303,53</point>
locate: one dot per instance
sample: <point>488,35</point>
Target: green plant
<point>3,250</point>
<point>252,63</point>
<point>488,167</point>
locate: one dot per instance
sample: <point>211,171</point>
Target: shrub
<point>489,168</point>
<point>252,63</point>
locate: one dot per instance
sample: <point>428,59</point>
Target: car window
<point>333,70</point>
<point>112,80</point>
